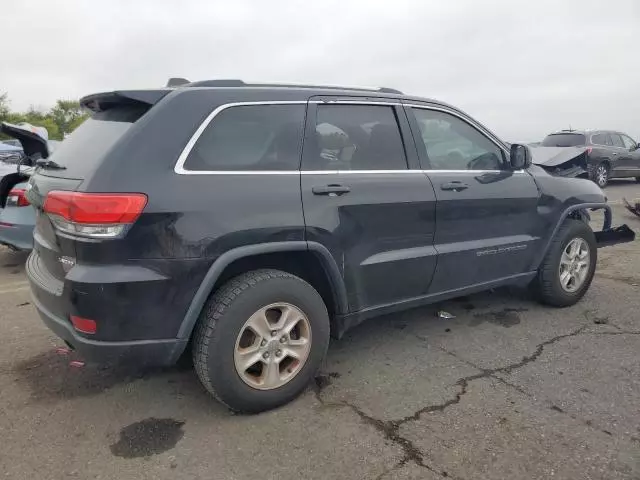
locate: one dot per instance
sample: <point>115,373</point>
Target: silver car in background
<point>17,220</point>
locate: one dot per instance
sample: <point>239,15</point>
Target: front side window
<point>617,141</point>
<point>453,144</point>
<point>628,143</point>
<point>355,137</point>
<point>250,137</point>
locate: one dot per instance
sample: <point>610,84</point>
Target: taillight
<point>94,215</point>
<point>16,197</point>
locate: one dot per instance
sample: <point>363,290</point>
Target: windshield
<point>82,151</point>
<point>564,140</point>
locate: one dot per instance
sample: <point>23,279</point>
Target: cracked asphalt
<point>507,389</point>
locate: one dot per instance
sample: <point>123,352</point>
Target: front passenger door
<point>487,224</point>
<point>633,155</point>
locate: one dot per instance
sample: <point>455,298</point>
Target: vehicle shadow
<point>58,375</point>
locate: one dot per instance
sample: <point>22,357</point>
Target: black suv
<point>244,224</point>
<point>610,154</point>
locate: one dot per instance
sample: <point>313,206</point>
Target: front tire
<point>260,340</point>
<point>569,265</point>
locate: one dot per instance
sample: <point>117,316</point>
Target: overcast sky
<point>522,67</point>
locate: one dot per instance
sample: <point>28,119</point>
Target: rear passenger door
<point>366,200</point>
<point>487,224</point>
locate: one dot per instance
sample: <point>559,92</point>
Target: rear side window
<point>356,137</point>
<point>600,139</point>
<point>82,151</point>
<point>564,140</point>
<point>250,137</point>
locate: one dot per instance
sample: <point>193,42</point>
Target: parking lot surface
<point>507,389</point>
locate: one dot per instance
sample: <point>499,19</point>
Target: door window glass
<point>599,139</point>
<point>628,143</point>
<point>250,137</point>
<point>453,144</point>
<point>617,141</point>
<point>355,137</point>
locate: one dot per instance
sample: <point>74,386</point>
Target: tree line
<point>60,120</point>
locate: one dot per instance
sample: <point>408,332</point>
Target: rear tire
<point>638,179</point>
<point>554,268</point>
<point>225,333</point>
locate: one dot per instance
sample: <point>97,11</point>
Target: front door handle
<point>332,190</point>
<point>455,186</point>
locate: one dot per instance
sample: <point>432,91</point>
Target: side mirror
<point>519,156</point>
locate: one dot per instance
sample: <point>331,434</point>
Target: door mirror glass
<point>519,157</point>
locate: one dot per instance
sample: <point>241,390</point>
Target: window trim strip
<point>179,167</point>
<point>182,158</point>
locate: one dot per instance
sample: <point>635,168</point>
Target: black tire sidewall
<point>558,295</point>
<point>224,378</point>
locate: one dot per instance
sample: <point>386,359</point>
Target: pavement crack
<point>463,382</point>
<point>391,431</point>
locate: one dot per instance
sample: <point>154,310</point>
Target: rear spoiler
<point>99,102</point>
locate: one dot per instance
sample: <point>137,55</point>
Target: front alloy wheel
<point>574,265</point>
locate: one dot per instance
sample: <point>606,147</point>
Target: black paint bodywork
<point>397,240</point>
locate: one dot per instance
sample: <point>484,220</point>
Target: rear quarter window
<point>250,138</point>
<point>564,140</point>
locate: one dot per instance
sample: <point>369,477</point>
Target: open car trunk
<point>34,146</point>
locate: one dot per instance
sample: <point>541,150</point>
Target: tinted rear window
<point>564,140</point>
<point>250,138</point>
<point>82,151</point>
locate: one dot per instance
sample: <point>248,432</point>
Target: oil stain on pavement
<point>507,317</point>
<point>150,436</point>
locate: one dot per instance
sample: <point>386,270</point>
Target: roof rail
<point>240,83</point>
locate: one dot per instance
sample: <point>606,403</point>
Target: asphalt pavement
<point>507,389</point>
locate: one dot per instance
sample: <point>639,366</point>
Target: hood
<point>561,161</point>
<point>33,139</point>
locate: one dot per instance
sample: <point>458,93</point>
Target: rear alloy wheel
<point>260,340</point>
<point>601,175</point>
<point>272,346</point>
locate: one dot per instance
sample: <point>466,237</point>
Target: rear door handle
<point>331,190</point>
<point>455,186</point>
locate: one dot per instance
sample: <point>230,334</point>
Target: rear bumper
<point>141,352</point>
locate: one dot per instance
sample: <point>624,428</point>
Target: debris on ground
<point>635,208</point>
<point>445,315</point>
